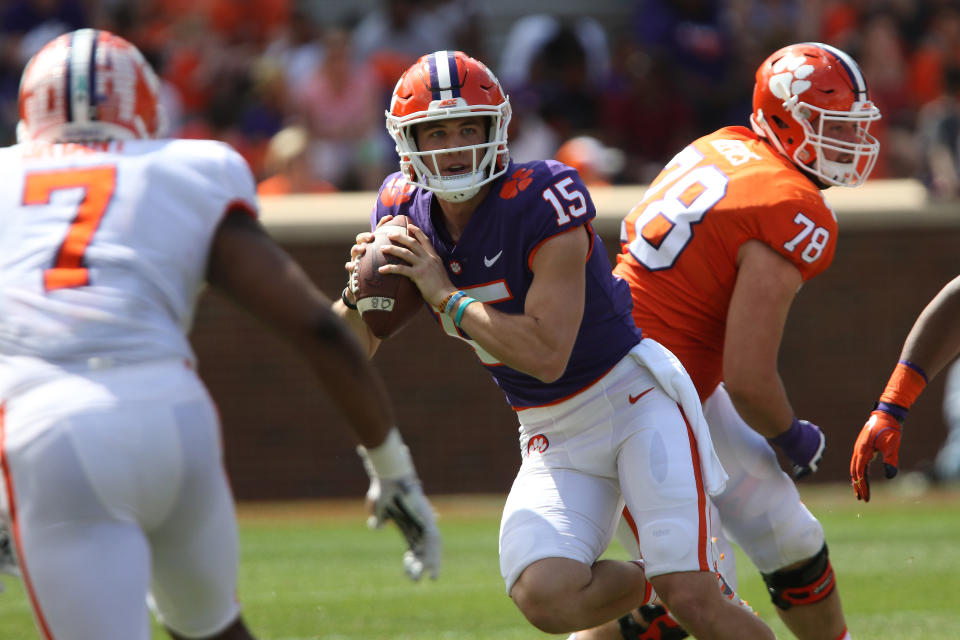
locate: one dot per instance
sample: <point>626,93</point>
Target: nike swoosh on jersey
<point>633,399</point>
<point>488,262</point>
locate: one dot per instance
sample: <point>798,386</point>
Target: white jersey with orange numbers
<point>680,243</point>
<point>104,246</point>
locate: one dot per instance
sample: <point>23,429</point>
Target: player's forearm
<point>762,402</point>
<point>934,340</point>
<point>349,378</point>
<point>519,341</point>
<point>360,329</point>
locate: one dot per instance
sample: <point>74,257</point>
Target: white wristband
<point>391,459</point>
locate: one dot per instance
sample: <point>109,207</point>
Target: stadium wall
<point>285,440</point>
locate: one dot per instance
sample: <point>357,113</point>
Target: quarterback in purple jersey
<point>505,255</point>
<point>491,263</point>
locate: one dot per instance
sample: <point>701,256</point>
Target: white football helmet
<point>441,85</point>
<point>88,85</point>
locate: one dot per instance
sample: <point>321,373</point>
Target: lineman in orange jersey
<point>714,254</point>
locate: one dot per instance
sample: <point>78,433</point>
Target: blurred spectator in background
<point>25,26</point>
<point>758,27</point>
<point>342,107</point>
<point>642,115</point>
<point>642,76</point>
<point>694,42</point>
<point>287,165</point>
<point>398,32</point>
<point>297,48</point>
<point>249,23</point>
<point>840,20</point>
<point>596,163</point>
<point>883,58</point>
<point>264,110</point>
<point>530,35</point>
<point>938,49</point>
<point>555,71</point>
<point>938,136</point>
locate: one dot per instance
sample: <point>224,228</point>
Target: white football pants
<point>115,487</point>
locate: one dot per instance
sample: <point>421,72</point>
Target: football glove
<point>395,494</point>
<point>402,501</point>
<point>804,444</point>
<point>879,436</point>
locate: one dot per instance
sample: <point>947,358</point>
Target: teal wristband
<point>447,305</point>
<point>466,302</point>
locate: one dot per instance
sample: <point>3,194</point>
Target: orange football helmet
<point>811,102</point>
<point>594,161</point>
<point>441,85</point>
<point>88,85</point>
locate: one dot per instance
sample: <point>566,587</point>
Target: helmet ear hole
<point>780,123</point>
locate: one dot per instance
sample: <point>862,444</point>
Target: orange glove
<point>880,435</point>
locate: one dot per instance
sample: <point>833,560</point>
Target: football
<point>387,302</point>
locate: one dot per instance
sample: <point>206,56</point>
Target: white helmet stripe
<point>82,47</point>
<point>441,59</point>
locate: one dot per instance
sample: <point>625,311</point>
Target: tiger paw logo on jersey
<point>537,444</point>
<point>397,191</point>
<point>519,181</point>
<point>789,76</point>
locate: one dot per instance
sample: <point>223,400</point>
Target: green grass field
<point>312,570</point>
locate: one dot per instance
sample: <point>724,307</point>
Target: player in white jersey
<point>111,461</point>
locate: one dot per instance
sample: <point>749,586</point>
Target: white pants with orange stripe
<point>760,509</point>
<point>115,488</point>
<point>623,440</point>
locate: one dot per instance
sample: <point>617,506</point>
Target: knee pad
<point>669,545</point>
<point>806,584</point>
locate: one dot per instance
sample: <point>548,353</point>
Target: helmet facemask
<point>818,123</point>
<point>447,85</point>
<point>422,168</point>
<point>811,102</point>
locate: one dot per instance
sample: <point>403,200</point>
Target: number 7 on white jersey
<point>98,184</point>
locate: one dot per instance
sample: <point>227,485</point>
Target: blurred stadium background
<point>299,89</point>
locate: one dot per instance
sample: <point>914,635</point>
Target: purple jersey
<point>533,202</point>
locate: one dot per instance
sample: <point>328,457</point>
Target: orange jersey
<point>680,243</point>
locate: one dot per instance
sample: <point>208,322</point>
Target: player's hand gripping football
<point>423,265</point>
<point>804,444</point>
<point>395,494</point>
<point>359,247</point>
<point>879,436</point>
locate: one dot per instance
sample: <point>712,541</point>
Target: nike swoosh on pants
<point>633,399</point>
